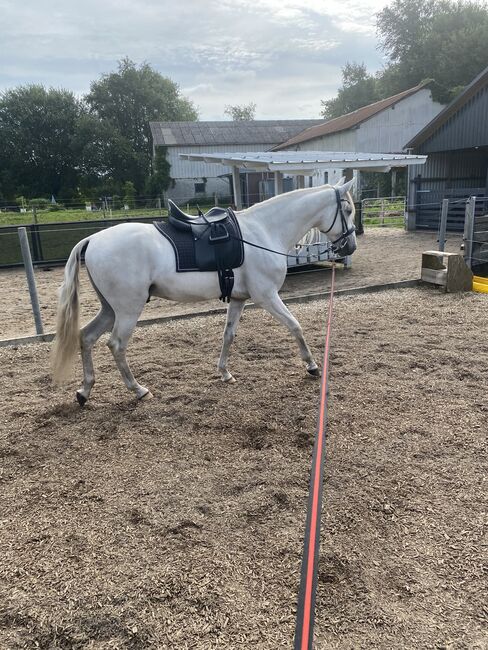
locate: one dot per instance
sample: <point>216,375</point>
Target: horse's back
<point>125,241</point>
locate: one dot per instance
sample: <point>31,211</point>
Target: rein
<point>345,234</point>
<point>310,559</point>
<point>270,250</point>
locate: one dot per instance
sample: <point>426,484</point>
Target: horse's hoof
<point>147,396</point>
<point>81,399</point>
<point>315,372</point>
<point>229,380</point>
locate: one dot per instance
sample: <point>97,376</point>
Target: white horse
<point>132,261</point>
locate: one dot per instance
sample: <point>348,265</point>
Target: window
<point>200,188</point>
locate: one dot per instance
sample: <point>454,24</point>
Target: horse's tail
<point>67,339</point>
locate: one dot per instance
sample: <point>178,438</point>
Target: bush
<point>40,203</point>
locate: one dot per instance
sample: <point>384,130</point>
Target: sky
<point>283,55</point>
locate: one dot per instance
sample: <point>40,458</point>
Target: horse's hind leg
<point>89,335</point>
<point>118,341</point>
<point>234,312</point>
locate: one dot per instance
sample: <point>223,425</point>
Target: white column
<point>335,175</point>
<point>236,183</point>
<point>356,195</point>
<point>278,182</point>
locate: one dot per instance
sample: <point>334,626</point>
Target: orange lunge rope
<point>308,580</point>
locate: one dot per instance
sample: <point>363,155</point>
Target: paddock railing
<point>475,237</point>
<point>51,243</point>
<point>384,211</point>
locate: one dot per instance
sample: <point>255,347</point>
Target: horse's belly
<point>193,286</point>
<point>186,287</point>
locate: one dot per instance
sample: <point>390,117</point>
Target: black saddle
<point>207,242</point>
<point>184,221</point>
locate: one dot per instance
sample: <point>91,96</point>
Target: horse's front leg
<point>234,312</point>
<point>275,306</point>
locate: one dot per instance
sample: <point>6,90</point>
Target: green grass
<point>62,216</point>
<point>394,213</point>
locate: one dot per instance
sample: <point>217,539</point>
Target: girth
<point>208,242</point>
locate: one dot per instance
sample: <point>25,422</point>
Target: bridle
<point>345,230</point>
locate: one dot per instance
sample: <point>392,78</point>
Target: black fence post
<point>358,219</point>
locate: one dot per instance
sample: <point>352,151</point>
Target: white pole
<point>236,182</point>
<point>278,182</point>
<point>31,280</point>
<point>443,225</point>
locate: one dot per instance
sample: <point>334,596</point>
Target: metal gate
<point>384,211</point>
<point>476,234</point>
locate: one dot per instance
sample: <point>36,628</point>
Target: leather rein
<point>342,238</point>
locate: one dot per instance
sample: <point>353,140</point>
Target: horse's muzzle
<point>345,246</point>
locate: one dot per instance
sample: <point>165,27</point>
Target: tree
<point>104,155</point>
<point>132,97</point>
<point>358,89</point>
<point>37,131</point>
<point>241,112</point>
<point>438,39</point>
<point>160,179</point>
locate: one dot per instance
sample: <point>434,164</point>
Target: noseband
<point>345,230</point>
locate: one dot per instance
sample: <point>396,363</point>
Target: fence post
<point>31,280</point>
<point>469,229</point>
<point>358,219</point>
<point>443,225</point>
<point>159,206</point>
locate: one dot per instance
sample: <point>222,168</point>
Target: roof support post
<point>411,211</point>
<point>278,183</point>
<point>393,182</point>
<point>236,184</point>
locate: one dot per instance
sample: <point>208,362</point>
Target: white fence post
<point>443,224</point>
<point>469,230</point>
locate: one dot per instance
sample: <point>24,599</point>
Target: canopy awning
<point>307,162</point>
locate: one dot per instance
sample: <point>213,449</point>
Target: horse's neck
<point>287,218</point>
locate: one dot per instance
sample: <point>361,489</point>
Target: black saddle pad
<point>194,250</point>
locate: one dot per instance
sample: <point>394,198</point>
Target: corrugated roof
<point>307,160</point>
<point>270,132</point>
<point>349,120</point>
<point>441,118</point>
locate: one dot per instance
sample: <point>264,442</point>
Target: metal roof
<point>303,161</point>
<point>471,128</point>
<point>261,132</point>
<point>349,120</point>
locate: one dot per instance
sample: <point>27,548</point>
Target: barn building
<point>197,179</point>
<point>456,143</point>
<point>381,127</point>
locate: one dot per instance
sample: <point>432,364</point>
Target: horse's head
<point>337,219</point>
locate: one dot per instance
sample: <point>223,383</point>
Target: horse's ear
<point>347,187</point>
<point>340,182</point>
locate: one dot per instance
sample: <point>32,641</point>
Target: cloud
<point>284,55</point>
